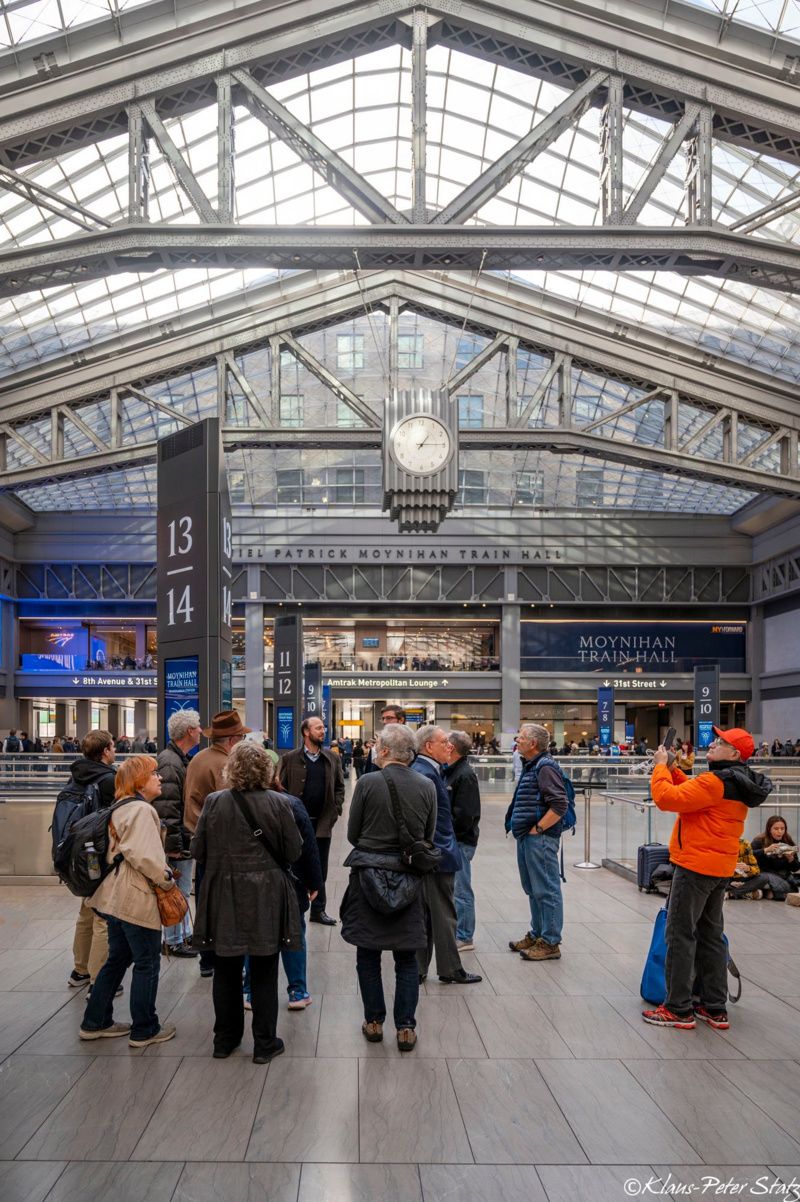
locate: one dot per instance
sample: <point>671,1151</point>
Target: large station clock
<point>420,457</point>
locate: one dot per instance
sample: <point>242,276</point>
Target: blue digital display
<point>605,716</point>
<point>623,647</point>
<point>370,642</point>
<point>284,728</point>
<point>181,685</point>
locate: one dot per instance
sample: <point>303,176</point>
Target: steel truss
<point>510,319</point>
<point>777,577</point>
<point>703,99</point>
<point>401,584</point>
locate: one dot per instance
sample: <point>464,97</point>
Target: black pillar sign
<point>194,574</point>
<point>706,704</point>
<point>312,691</point>
<point>288,681</point>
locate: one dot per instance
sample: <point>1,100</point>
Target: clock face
<point>421,445</point>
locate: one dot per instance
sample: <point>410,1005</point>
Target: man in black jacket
<point>95,767</point>
<point>465,801</point>
<point>184,732</point>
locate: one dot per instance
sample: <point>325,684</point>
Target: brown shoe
<point>406,1040</point>
<point>522,945</point>
<point>542,951</point>
<point>373,1032</point>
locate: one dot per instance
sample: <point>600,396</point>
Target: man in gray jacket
<point>184,732</point>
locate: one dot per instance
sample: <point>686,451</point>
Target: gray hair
<point>539,734</point>
<point>460,741</point>
<point>424,735</point>
<point>181,722</point>
<point>249,767</point>
<point>397,741</point>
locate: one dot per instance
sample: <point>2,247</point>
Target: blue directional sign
<point>605,716</point>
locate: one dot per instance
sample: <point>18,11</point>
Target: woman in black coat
<point>247,904</point>
<point>373,831</point>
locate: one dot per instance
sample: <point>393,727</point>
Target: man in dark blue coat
<point>433,752</point>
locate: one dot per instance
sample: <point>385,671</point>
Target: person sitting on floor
<point>776,854</point>
<point>743,881</point>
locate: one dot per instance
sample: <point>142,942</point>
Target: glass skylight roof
<point>362,109</point>
<point>23,20</point>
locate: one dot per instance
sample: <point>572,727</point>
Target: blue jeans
<point>406,990</point>
<point>537,857</point>
<point>127,944</point>
<point>175,936</point>
<point>294,965</point>
<point>464,897</point>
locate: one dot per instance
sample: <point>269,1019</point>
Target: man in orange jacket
<point>704,847</point>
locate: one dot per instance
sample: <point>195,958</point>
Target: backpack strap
<point>255,830</point>
<point>397,809</point>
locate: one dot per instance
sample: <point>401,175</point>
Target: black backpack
<point>72,860</point>
<point>73,802</point>
<point>12,743</point>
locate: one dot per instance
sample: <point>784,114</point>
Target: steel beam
<point>699,172</point>
<point>611,125</point>
<point>419,51</point>
<point>225,150</point>
<point>689,252</point>
<point>184,175</point>
<point>340,390</point>
<point>52,202</point>
<point>670,147</point>
<point>138,166</point>
<point>523,152</point>
<point>357,191</point>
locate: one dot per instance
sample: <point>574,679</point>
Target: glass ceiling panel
<point>777,16</point>
<point>23,20</point>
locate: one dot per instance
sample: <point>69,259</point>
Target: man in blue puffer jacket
<point>433,752</point>
<point>534,818</point>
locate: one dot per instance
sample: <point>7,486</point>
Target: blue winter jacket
<point>444,836</point>
<point>539,789</point>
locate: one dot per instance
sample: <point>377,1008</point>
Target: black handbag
<point>420,855</point>
<point>388,891</point>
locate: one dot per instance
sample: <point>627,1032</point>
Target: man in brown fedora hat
<point>203,776</point>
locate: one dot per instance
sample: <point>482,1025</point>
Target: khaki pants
<point>90,947</point>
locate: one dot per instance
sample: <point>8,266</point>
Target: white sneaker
<point>466,947</point>
<point>167,1031</point>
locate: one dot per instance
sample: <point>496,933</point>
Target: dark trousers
<point>127,944</point>
<point>324,848</point>
<point>406,990</point>
<point>206,957</point>
<point>229,1001</point>
<point>440,915</point>
<point>695,947</point>
<point>779,885</point>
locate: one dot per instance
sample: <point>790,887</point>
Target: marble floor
<point>541,1084</point>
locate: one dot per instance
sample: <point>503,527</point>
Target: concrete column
<point>115,718</point>
<point>755,666</point>
<point>62,717</point>
<point>253,652</point>
<point>141,642</point>
<point>140,716</point>
<point>509,674</point>
<point>8,702</point>
<point>25,717</point>
<point>83,717</point>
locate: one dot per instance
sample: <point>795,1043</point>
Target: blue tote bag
<point>654,978</point>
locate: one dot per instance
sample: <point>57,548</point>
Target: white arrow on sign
<point>445,682</point>
<point>663,683</point>
<point>76,680</point>
<point>606,683</point>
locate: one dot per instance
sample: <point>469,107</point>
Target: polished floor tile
<point>410,1114</point>
<point>360,1183</point>
<point>513,1026</point>
<point>591,1028</point>
<point>30,1089</point>
<point>510,1114</point>
<point>22,1014</point>
<point>699,1101</point>
<point>308,1112</point>
<point>613,1117</point>
<point>206,1112</point>
<point>480,1183</point>
<point>116,1182</point>
<point>28,1181</point>
<point>238,1183</point>
<point>105,1112</point>
<point>598,1183</point>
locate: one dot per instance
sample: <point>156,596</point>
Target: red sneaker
<point>662,1017</point>
<point>718,1020</point>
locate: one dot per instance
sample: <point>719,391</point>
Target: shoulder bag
<point>290,929</point>
<point>420,855</point>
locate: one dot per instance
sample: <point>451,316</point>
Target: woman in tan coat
<point>127,901</point>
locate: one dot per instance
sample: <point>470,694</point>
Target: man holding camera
<point>704,848</point>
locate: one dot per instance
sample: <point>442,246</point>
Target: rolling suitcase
<point>648,857</point>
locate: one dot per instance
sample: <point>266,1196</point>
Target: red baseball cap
<point>738,738</point>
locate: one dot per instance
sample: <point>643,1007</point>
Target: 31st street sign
<point>635,682</point>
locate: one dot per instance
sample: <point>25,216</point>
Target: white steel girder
<point>495,312</point>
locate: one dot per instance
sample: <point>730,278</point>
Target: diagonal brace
<point>666,154</point>
<point>159,405</point>
<point>50,200</point>
<point>540,393</point>
<point>244,384</point>
<point>468,370</point>
<point>183,173</point>
<point>327,378</point>
<point>523,152</point>
<point>629,408</point>
<point>313,151</point>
